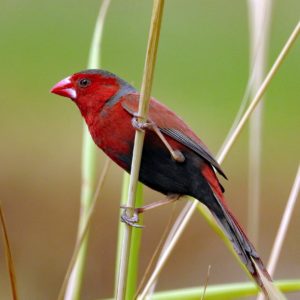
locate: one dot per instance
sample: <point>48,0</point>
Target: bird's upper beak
<point>65,88</point>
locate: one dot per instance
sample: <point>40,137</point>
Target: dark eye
<point>84,82</point>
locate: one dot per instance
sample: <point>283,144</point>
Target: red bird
<point>174,160</point>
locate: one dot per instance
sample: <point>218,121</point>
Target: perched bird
<point>174,160</point>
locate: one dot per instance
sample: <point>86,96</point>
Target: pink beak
<point>65,88</point>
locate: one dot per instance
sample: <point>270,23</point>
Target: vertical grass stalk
<point>89,154</point>
<point>168,250</point>
<point>283,227</point>
<point>259,19</point>
<point>9,258</point>
<point>135,243</point>
<point>154,33</point>
<point>85,228</point>
<point>284,224</point>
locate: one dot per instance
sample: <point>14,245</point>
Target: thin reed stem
<point>155,254</point>
<point>169,238</point>
<point>85,228</point>
<point>157,13</point>
<point>165,255</point>
<point>259,19</point>
<point>89,155</point>
<point>261,91</point>
<point>283,227</point>
<point>9,258</point>
<point>135,243</point>
<point>284,224</point>
<point>223,291</point>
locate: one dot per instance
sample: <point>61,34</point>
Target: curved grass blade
<point>89,154</point>
<point>9,258</point>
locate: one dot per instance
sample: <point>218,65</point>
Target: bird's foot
<point>139,125</point>
<point>131,220</point>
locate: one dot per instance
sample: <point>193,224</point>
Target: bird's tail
<point>239,240</point>
<point>216,203</point>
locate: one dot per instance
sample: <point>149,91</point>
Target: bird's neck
<point>92,107</point>
<point>89,112</point>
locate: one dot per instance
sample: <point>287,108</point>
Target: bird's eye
<point>84,82</point>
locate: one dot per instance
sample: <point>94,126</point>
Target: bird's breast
<point>112,131</point>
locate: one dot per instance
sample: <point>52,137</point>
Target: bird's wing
<point>173,126</point>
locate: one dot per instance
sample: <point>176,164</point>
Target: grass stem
<point>85,228</point>
<point>227,291</point>
<point>154,33</point>
<point>89,155</point>
<point>283,227</point>
<point>259,23</point>
<point>284,224</point>
<point>9,258</point>
<point>133,263</point>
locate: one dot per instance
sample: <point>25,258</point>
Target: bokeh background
<point>201,73</point>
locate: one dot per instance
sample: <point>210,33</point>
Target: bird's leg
<point>132,221</point>
<point>176,154</point>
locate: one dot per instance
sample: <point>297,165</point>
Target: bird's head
<point>89,89</point>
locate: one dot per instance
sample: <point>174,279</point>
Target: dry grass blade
<point>206,282</point>
<point>261,91</point>
<point>283,227</point>
<point>168,249</point>
<point>157,13</point>
<point>284,224</point>
<point>155,254</point>
<point>273,292</point>
<point>88,170</point>
<point>247,93</point>
<point>165,255</point>
<point>94,57</point>
<point>9,258</point>
<point>259,19</point>
<point>171,234</point>
<point>85,228</point>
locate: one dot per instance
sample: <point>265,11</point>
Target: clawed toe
<point>141,126</point>
<point>131,220</point>
<point>137,124</point>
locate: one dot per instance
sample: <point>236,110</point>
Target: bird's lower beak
<point>65,88</point>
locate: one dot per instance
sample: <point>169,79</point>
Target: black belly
<point>161,173</point>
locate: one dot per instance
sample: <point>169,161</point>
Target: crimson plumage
<point>108,105</point>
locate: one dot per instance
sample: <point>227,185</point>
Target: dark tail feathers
<point>241,243</point>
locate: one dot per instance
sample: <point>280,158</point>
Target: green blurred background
<point>201,73</point>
